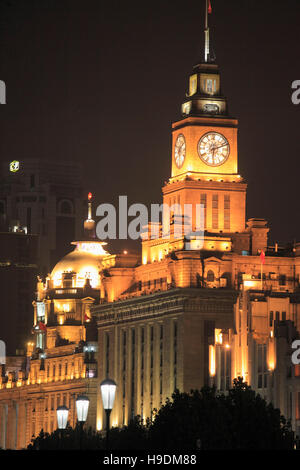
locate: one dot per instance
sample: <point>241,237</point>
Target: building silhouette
<point>46,198</point>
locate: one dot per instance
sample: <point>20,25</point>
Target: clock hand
<point>220,146</point>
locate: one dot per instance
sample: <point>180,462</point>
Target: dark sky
<point>101,82</point>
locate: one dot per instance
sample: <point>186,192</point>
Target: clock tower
<point>205,153</point>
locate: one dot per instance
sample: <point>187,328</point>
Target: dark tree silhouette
<point>240,420</point>
<point>203,419</point>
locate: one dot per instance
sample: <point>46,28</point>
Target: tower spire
<point>206,32</point>
<point>208,10</point>
<point>89,223</point>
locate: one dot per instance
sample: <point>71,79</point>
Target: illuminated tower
<point>205,152</point>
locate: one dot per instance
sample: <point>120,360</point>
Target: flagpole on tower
<point>206,33</point>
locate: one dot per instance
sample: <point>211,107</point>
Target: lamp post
<point>62,413</point>
<point>82,408</point>
<point>108,393</point>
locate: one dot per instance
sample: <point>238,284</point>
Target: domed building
<point>64,299</point>
<point>62,358</point>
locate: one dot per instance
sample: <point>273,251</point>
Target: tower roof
<point>204,97</point>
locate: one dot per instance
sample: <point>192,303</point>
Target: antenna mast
<point>206,33</point>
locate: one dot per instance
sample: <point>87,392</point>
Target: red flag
<point>42,326</point>
<point>209,10</point>
<point>262,257</point>
<point>86,317</point>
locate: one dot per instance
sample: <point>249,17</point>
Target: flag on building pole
<point>42,326</point>
<point>209,10</point>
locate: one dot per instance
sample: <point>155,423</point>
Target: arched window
<point>210,276</point>
<point>65,206</point>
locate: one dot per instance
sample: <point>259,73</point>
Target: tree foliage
<point>242,419</point>
<point>204,419</point>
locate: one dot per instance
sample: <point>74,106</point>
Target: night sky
<point>101,83</point>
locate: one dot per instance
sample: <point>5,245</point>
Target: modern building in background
<point>41,208</point>
<point>46,199</point>
<point>192,311</point>
<point>18,274</point>
<point>61,358</point>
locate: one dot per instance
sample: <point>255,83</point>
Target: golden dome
<point>83,262</point>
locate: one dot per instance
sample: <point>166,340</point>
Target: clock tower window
<point>215,211</point>
<point>203,201</point>
<point>210,85</point>
<point>226,212</point>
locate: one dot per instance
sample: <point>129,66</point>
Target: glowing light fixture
<point>62,413</point>
<point>82,408</point>
<point>108,393</point>
<point>212,360</point>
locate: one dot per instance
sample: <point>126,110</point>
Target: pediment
<point>213,260</point>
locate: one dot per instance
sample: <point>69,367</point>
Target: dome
<point>82,263</point>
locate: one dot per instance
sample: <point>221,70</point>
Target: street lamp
<point>108,393</point>
<point>82,408</point>
<point>62,419</point>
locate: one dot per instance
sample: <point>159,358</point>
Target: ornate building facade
<point>201,308</point>
<point>195,309</point>
<point>61,360</point>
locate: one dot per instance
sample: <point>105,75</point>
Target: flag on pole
<point>42,326</point>
<point>209,10</point>
<point>262,257</point>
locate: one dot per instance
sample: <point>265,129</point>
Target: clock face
<point>179,151</point>
<point>213,149</point>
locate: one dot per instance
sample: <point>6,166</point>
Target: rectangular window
<point>226,212</point>
<point>123,368</point>
<point>107,353</point>
<point>262,368</point>
<point>175,354</point>
<point>215,211</point>
<point>161,359</point>
<point>32,181</point>
<point>225,372</point>
<point>142,360</point>
<point>28,219</point>
<point>282,280</point>
<point>271,318</point>
<point>211,85</point>
<point>193,84</point>
<point>283,316</point>
<point>151,359</point>
<point>132,371</point>
<point>203,201</point>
